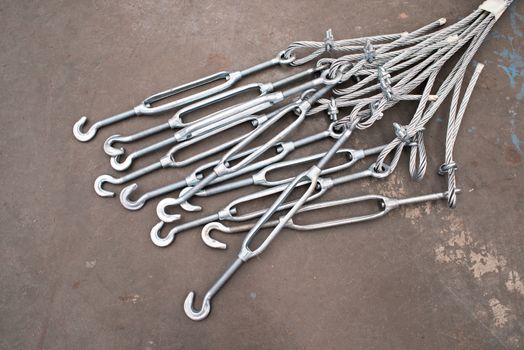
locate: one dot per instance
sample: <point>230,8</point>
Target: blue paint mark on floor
<point>514,69</point>
<point>516,20</point>
<point>516,142</point>
<point>511,61</point>
<point>510,58</point>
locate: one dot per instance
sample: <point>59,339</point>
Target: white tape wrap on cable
<point>496,7</point>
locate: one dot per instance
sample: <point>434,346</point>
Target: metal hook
<point>147,108</point>
<point>168,161</point>
<point>120,163</point>
<point>186,205</point>
<point>202,313</point>
<point>311,176</point>
<point>158,240</point>
<point>192,179</point>
<point>83,136</point>
<point>126,192</point>
<point>176,122</point>
<point>109,149</point>
<point>229,212</point>
<point>86,136</point>
<point>211,242</point>
<point>167,202</point>
<point>206,304</point>
<point>244,165</point>
<point>99,183</point>
<point>217,226</point>
<point>139,203</point>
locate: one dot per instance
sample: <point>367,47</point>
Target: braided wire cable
<point>336,46</point>
<point>346,99</point>
<point>405,134</point>
<point>454,122</point>
<point>356,44</point>
<point>389,47</point>
<point>419,55</point>
<point>418,151</point>
<point>473,30</point>
<point>454,78</point>
<point>417,123</point>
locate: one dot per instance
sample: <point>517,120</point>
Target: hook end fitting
<point>119,165</point>
<point>161,241</point>
<point>186,205</point>
<point>197,315</point>
<point>79,134</point>
<point>126,202</point>
<point>210,241</point>
<point>109,149</point>
<point>99,183</point>
<point>161,210</point>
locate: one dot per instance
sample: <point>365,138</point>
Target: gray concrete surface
<point>79,272</point>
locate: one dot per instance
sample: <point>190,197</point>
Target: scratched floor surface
<point>79,272</point>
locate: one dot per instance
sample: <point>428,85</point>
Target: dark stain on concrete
<point>217,61</point>
<point>512,155</point>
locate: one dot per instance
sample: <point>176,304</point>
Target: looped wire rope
<point>330,45</point>
<point>412,134</point>
<point>449,167</point>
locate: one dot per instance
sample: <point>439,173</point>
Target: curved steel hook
<point>166,202</point>
<point>99,183</point>
<point>157,239</point>
<point>210,241</point>
<point>200,314</point>
<point>108,145</point>
<point>84,136</point>
<point>186,205</point>
<point>215,288</point>
<point>215,225</point>
<point>119,165</point>
<point>128,203</point>
<point>160,210</point>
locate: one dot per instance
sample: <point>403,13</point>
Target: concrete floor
<point>79,272</point>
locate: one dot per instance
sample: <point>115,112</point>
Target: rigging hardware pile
<point>356,87</point>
